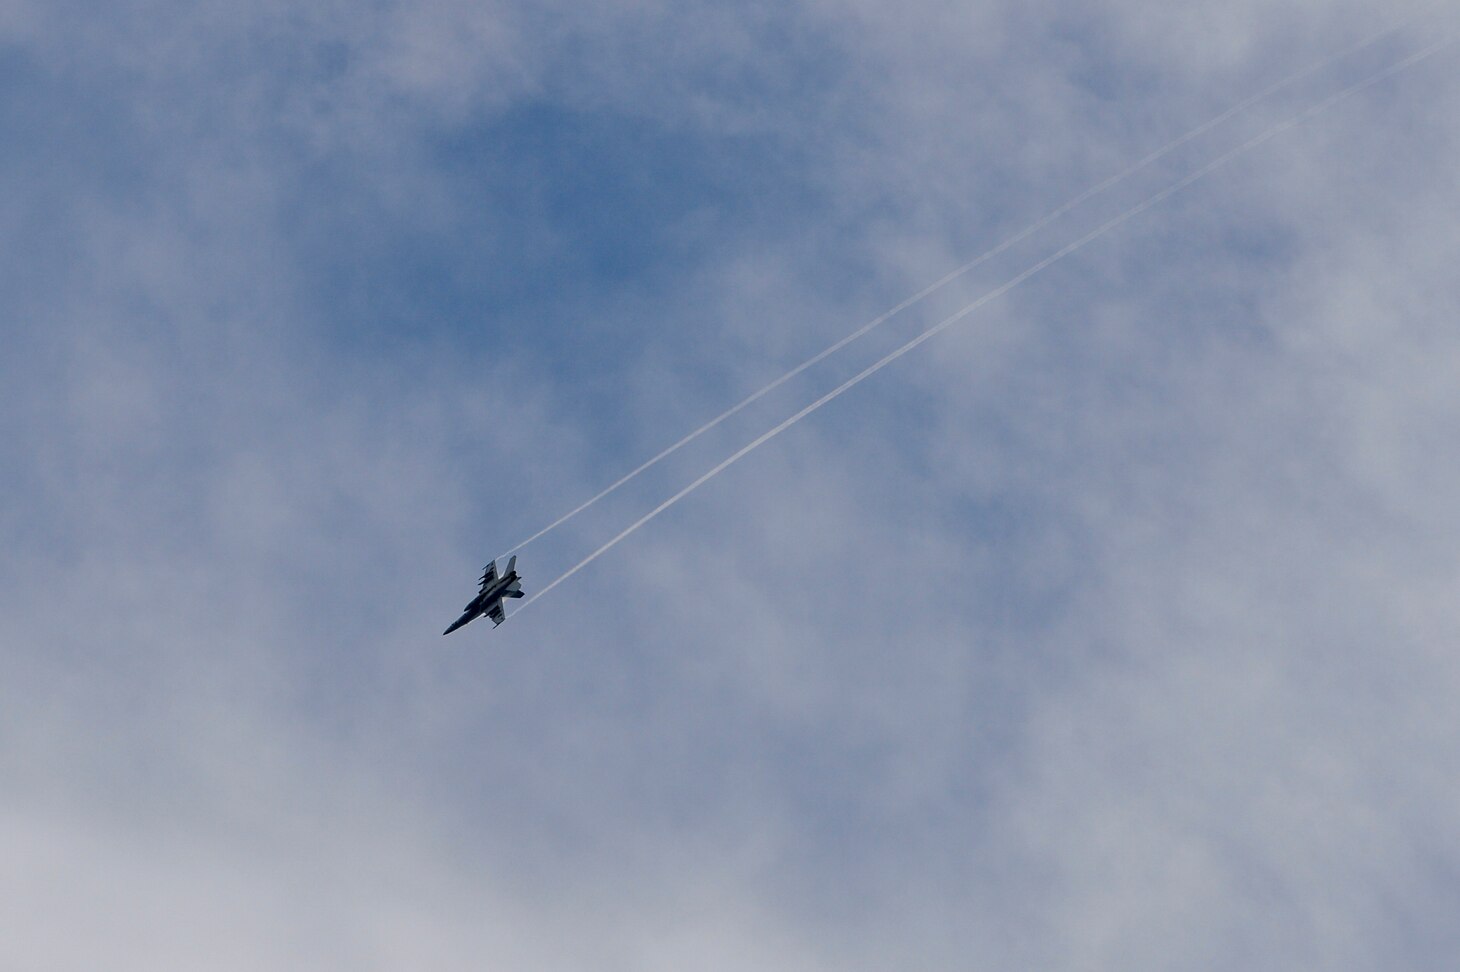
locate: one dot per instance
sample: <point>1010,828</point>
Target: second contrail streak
<point>997,292</point>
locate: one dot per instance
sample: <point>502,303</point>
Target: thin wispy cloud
<point>1109,629</point>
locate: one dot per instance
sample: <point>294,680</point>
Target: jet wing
<point>497,612</point>
<point>489,577</point>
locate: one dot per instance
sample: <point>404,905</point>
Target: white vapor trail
<point>999,291</point>
<point>954,274</point>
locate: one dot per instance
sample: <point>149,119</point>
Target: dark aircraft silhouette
<point>489,599</point>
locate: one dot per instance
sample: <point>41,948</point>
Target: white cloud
<point>1111,629</point>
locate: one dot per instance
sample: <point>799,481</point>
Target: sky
<point>1113,628</point>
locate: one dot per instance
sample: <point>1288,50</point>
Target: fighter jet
<point>489,599</point>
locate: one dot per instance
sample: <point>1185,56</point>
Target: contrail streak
<point>954,274</point>
<point>999,291</point>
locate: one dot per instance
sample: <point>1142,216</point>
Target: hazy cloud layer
<point>1113,629</point>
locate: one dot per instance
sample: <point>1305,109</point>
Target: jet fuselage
<point>489,601</point>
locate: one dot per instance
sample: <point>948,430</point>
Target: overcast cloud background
<point>1114,629</point>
